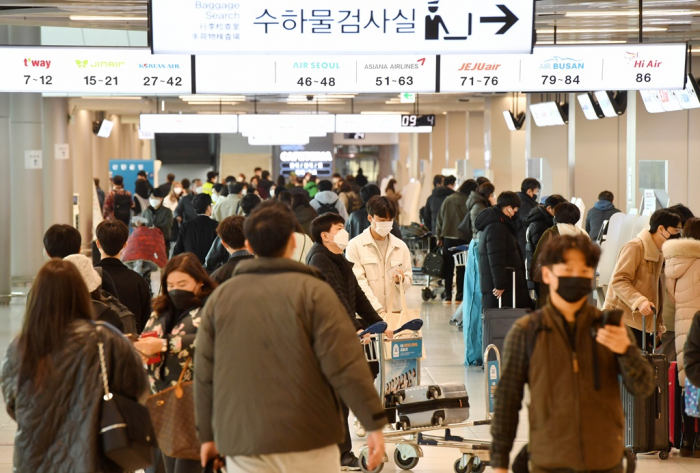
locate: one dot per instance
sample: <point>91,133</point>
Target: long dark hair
<point>187,263</point>
<point>57,298</point>
<point>391,185</point>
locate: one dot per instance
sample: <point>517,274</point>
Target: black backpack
<point>122,207</point>
<point>327,208</point>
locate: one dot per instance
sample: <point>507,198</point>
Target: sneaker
<point>349,462</point>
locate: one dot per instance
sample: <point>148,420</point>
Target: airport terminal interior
<point>584,97</point>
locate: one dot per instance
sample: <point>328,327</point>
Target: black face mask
<point>673,236</point>
<point>181,299</point>
<point>574,289</point>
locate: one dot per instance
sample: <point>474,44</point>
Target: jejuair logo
<point>81,63</point>
<point>37,63</point>
<point>561,63</point>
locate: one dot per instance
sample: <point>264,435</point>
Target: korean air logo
<point>146,65</point>
<point>562,63</point>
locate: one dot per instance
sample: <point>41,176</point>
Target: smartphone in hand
<point>155,358</point>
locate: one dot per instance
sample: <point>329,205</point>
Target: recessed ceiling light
<point>107,18</point>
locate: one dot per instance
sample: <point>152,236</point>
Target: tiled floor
<point>445,353</point>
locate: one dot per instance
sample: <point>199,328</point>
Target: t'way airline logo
<point>37,63</point>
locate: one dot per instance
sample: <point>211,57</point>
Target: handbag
<point>126,432</point>
<point>432,265</point>
<point>395,320</point>
<point>172,411</point>
<point>692,399</point>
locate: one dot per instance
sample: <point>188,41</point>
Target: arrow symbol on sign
<point>422,62</point>
<point>407,95</point>
<point>508,20</point>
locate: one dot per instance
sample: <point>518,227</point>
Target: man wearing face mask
<point>528,194</point>
<point>158,215</point>
<point>381,261</point>
<point>572,363</point>
<point>331,239</point>
<point>635,286</point>
<point>500,255</point>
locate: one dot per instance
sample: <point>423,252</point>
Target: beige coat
<point>683,286</point>
<point>635,280</point>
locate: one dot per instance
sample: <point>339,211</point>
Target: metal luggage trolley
<point>420,247</point>
<point>399,358</point>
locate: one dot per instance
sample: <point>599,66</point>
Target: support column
<point>571,147</point>
<point>27,183</point>
<point>631,180</point>
<point>5,191</point>
<point>81,148</point>
<point>58,172</point>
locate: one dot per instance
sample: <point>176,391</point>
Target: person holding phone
<point>167,342</point>
<point>571,356</point>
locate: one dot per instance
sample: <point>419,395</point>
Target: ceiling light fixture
<point>97,97</point>
<point>582,42</point>
<point>574,14</point>
<point>598,30</point>
<point>107,18</point>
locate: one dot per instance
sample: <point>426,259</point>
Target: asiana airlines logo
<point>562,63</point>
<point>84,63</point>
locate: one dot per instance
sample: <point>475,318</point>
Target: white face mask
<point>342,238</point>
<point>200,190</point>
<point>383,228</point>
<point>177,190</point>
<point>155,203</point>
<point>239,179</point>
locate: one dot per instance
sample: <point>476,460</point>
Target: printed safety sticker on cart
<point>406,350</point>
<point>494,372</point>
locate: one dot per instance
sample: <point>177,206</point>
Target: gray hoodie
<point>329,197</point>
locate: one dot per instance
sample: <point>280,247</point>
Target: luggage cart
<point>420,247</point>
<point>404,354</point>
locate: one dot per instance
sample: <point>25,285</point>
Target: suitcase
<point>675,410</point>
<point>432,264</point>
<point>646,420</point>
<point>431,406</point>
<point>498,322</point>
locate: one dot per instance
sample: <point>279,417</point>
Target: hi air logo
<point>562,63</point>
<point>636,62</point>
<point>159,66</point>
<point>37,63</point>
<point>84,63</point>
<point>479,66</point>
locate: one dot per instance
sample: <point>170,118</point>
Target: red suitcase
<point>146,244</point>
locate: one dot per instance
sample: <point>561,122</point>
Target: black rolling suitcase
<point>646,420</point>
<point>498,322</point>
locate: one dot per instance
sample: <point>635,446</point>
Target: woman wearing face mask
<point>481,199</point>
<point>331,239</point>
<point>381,261</point>
<point>566,216</point>
<point>171,332</point>
<point>160,216</point>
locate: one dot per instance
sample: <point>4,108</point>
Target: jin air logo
<point>80,63</point>
<point>37,63</point>
<point>84,63</point>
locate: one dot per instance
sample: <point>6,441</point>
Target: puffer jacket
<point>682,275</point>
<point>432,206</point>
<point>499,256</point>
<point>476,203</point>
<point>601,211</point>
<point>538,222</point>
<point>58,425</point>
<point>527,204</point>
<point>635,280</point>
<point>451,215</point>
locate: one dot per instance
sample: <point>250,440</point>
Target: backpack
<point>122,207</point>
<point>127,317</point>
<point>327,208</point>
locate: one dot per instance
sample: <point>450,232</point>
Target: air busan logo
<point>37,63</point>
<point>562,63</point>
<point>158,66</point>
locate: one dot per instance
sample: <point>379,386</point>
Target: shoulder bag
<point>172,411</point>
<point>126,433</point>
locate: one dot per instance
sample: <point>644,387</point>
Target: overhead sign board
<point>191,123</point>
<point>315,74</point>
<point>569,69</point>
<point>380,124</point>
<point>342,27</point>
<point>93,71</point>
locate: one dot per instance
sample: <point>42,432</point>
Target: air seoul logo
<point>562,63</point>
<point>146,65</point>
<point>37,63</point>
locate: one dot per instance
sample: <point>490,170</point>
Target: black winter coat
<point>527,204</point>
<point>432,206</point>
<point>358,223</point>
<point>134,289</point>
<point>196,236</point>
<point>225,271</point>
<point>185,209</point>
<point>337,271</point>
<point>58,425</point>
<point>499,254</point>
<point>537,222</point>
